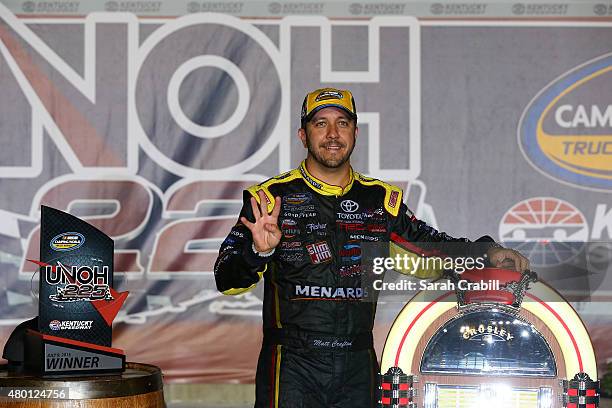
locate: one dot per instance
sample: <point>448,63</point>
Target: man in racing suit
<point>303,231</point>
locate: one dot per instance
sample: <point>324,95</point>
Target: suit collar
<point>322,187</point>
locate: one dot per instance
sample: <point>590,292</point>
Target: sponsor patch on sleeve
<point>393,199</point>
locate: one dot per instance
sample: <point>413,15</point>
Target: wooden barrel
<point>140,386</point>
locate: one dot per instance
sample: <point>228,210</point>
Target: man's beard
<point>331,163</point>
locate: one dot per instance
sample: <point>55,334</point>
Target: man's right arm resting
<point>238,268</point>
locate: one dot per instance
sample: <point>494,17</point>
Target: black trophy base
<point>48,355</point>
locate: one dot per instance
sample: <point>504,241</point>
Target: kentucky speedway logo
<point>546,230</point>
<point>566,130</point>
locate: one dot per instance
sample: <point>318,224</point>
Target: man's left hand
<point>507,258</point>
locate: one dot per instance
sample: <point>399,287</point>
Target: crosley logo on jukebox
<point>565,132</point>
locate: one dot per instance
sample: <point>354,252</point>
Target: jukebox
<point>520,346</point>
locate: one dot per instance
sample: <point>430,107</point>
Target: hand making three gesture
<point>265,231</point>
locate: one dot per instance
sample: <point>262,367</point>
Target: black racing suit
<point>317,349</point>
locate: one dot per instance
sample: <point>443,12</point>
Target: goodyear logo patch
<point>566,130</point>
<point>67,241</point>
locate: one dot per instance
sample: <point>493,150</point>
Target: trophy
<point>77,303</point>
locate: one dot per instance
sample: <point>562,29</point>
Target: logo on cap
<point>326,95</point>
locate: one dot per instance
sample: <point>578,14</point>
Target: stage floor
<point>604,404</point>
<point>228,396</point>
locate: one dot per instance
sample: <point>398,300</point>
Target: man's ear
<point>356,131</point>
<point>302,136</point>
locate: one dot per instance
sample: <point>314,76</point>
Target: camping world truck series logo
<point>547,230</point>
<point>566,130</point>
<point>67,241</point>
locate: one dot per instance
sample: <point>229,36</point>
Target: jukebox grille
<point>457,397</point>
<point>451,396</point>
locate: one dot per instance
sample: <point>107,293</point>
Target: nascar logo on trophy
<point>72,333</point>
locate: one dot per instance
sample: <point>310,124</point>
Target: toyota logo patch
<point>349,206</point>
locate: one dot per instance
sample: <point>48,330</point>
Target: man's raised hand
<point>265,231</point>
